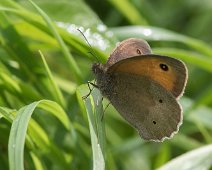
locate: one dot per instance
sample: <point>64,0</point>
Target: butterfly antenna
<point>92,51</point>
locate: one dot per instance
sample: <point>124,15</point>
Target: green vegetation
<point>45,63</point>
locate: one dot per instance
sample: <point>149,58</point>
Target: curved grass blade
<point>198,159</point>
<point>19,129</point>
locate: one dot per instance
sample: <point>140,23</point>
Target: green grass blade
<point>19,129</point>
<point>65,85</point>
<point>129,11</point>
<point>37,161</point>
<point>17,137</point>
<point>71,38</point>
<point>204,98</point>
<point>11,3</point>
<point>94,112</point>
<point>69,58</point>
<point>41,143</point>
<point>7,113</point>
<point>57,111</point>
<point>184,142</point>
<point>19,88</point>
<point>58,94</point>
<point>196,159</point>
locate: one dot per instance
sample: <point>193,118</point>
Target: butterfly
<point>144,88</point>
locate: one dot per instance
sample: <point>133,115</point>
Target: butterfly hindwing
<point>146,105</point>
<point>128,48</point>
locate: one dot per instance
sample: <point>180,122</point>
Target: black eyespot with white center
<point>164,67</point>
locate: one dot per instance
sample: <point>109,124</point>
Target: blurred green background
<point>45,64</point>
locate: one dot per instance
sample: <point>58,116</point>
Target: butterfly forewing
<point>168,72</point>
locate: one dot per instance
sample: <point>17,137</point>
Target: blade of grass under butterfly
<point>93,107</point>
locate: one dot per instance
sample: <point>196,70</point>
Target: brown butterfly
<point>144,88</point>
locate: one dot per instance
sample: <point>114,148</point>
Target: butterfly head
<point>98,68</point>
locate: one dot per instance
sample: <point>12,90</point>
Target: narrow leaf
<point>198,159</point>
<point>94,112</point>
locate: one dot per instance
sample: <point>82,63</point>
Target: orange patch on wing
<point>148,67</point>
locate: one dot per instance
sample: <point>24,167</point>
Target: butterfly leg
<point>90,89</point>
<point>104,110</point>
